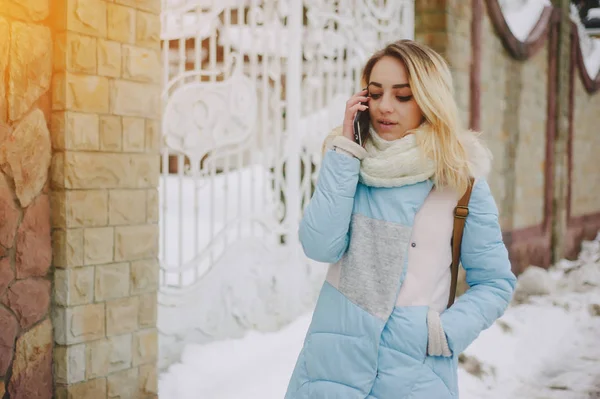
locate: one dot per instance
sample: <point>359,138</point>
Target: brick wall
<point>516,93</point>
<point>104,174</point>
<point>514,97</point>
<point>585,174</point>
<point>25,249</point>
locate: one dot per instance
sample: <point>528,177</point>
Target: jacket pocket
<point>446,369</point>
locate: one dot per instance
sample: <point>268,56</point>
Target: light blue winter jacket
<point>360,344</point>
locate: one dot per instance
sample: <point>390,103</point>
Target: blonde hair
<point>431,84</point>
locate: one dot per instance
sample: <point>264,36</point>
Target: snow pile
<point>545,346</point>
<point>252,288</point>
<point>522,15</point>
<point>533,281</point>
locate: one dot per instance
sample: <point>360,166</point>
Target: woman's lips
<point>386,125</point>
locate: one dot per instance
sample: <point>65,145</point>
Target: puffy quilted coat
<point>389,250</point>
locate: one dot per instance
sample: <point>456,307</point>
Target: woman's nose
<point>386,104</point>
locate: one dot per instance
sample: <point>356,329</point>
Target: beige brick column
<point>105,169</point>
<point>445,26</point>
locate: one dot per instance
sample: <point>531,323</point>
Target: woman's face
<point>392,107</point>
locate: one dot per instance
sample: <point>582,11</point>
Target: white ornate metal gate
<point>251,89</point>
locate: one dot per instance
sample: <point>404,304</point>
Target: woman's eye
<point>404,98</point>
<point>375,96</point>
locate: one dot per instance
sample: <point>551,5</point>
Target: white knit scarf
<point>394,163</point>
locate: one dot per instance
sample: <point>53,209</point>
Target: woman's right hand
<point>353,105</point>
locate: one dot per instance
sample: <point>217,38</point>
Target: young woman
<point>382,215</point>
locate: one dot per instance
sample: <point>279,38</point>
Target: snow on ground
<point>545,346</point>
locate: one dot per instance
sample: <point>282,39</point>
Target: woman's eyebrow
<point>396,86</point>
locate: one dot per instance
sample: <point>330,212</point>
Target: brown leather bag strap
<point>460,216</point>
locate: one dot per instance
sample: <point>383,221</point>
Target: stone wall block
<point>153,136</point>
<point>127,207</point>
<point>58,123</point>
<point>109,58</point>
<point>148,30</point>
<point>25,155</point>
<point>69,364</point>
<point>123,384</point>
<point>460,9</point>
<point>98,245</point>
<point>74,286</point>
<point>111,133</point>
<point>145,347</point>
<point>134,99</point>
<point>33,245</point>
<point>32,367</point>
<point>136,242</point>
<point>67,248</point>
<point>97,170</point>
<point>4,51</point>
<point>79,324</point>
<point>148,310</point>
<point>152,6</point>
<point>87,17</point>
<point>59,91</point>
<point>87,93</point>
<point>134,134</point>
<point>29,300</point>
<point>144,276</point>
<point>9,214</point>
<point>146,170</point>
<point>148,387</point>
<point>121,23</point>
<point>81,53</point>
<point>108,355</point>
<point>82,131</point>
<point>60,51</point>
<point>58,209</point>
<point>141,64</point>
<point>87,208</point>
<point>152,206</point>
<point>434,21</point>
<point>112,281</point>
<point>30,68</point>
<point>6,275</point>
<point>9,328</point>
<point>122,316</point>
<point>429,5</point>
<point>97,354</point>
<point>29,10</point>
<point>92,389</point>
<point>120,350</point>
<point>586,146</point>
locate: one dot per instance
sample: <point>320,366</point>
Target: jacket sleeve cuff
<point>437,344</point>
<point>347,146</point>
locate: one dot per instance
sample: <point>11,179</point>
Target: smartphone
<point>362,122</point>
